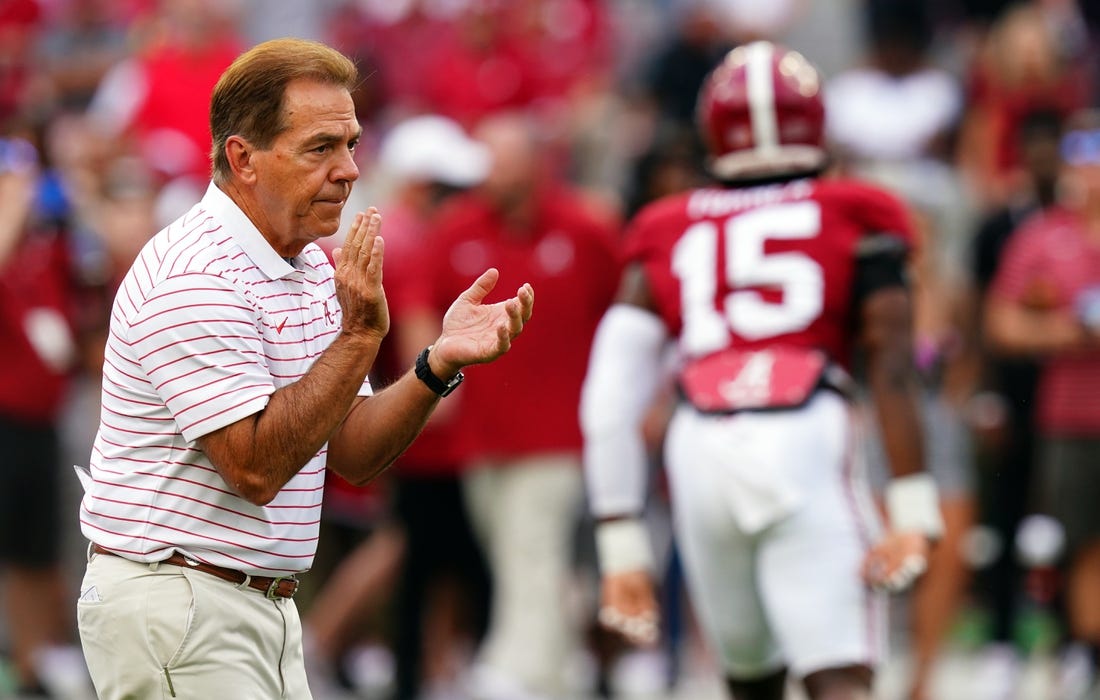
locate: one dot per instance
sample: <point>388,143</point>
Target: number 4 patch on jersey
<point>738,379</point>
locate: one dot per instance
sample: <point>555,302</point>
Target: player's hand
<point>358,278</point>
<point>473,332</point>
<point>628,606</point>
<point>896,561</point>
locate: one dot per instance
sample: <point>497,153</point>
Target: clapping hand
<point>475,333</point>
<point>358,277</point>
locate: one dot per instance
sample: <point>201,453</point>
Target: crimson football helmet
<point>760,113</point>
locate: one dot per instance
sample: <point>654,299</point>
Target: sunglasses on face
<point>1081,147</point>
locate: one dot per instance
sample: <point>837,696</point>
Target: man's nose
<point>346,169</point>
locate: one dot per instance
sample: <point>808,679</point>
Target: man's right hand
<point>628,606</point>
<point>358,278</point>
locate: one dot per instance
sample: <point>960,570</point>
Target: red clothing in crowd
<point>1007,107</point>
<point>487,59</point>
<point>526,402</point>
<point>178,84</point>
<point>408,247</point>
<point>468,81</point>
<point>20,21</point>
<point>1047,265</point>
<point>37,292</point>
<point>568,42</point>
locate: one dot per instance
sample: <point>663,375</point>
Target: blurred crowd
<point>526,132</point>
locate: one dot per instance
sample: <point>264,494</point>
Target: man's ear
<point>240,155</point>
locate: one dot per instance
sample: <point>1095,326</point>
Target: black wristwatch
<point>424,374</point>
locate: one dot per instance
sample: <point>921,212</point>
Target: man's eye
<point>352,145</point>
<point>324,148</point>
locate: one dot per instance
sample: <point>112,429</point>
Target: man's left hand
<point>475,333</point>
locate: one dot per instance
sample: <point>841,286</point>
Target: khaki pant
<point>160,631</point>
<point>524,512</point>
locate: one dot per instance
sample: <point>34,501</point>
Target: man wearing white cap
<point>421,162</point>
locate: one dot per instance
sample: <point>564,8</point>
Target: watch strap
<point>424,373</point>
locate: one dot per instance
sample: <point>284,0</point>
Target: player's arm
<point>886,337</point>
<point>623,376</point>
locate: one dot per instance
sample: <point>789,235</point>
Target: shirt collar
<point>245,233</point>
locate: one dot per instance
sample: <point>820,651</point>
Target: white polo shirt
<point>208,322</point>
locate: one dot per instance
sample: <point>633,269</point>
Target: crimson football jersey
<point>765,266</point>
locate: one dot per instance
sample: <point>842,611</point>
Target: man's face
<point>303,180</point>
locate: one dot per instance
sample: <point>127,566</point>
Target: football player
<point>768,287</point>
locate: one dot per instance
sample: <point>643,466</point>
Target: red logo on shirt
<point>279,328</point>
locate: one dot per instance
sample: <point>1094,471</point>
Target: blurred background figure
<point>442,603</point>
<point>893,121</point>
<point>1001,413</point>
<point>1043,303</point>
<point>764,474</point>
<point>1032,58</point>
<point>40,299</point>
<point>154,103</point>
<point>421,562</point>
<point>21,25</point>
<point>86,39</point>
<point>522,478</point>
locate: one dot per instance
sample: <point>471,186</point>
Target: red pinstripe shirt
<point>206,325</point>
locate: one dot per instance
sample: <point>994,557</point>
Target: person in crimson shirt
<point>519,427</point>
<point>422,539</point>
<point>1024,64</point>
<point>158,98</point>
<point>767,288</point>
<point>40,291</point>
<point>443,597</point>
<point>1044,302</point>
<point>479,68</point>
<point>21,23</point>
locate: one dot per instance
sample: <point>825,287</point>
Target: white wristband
<point>913,504</point>
<point>623,545</point>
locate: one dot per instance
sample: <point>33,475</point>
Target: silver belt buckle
<point>274,586</point>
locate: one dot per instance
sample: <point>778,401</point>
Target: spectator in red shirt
<point>1045,302</point>
<point>20,23</point>
<point>422,539</point>
<point>158,98</point>
<point>1022,66</point>
<point>480,68</point>
<point>523,482</point>
<point>38,298</point>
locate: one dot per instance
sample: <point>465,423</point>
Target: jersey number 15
<point>708,321</point>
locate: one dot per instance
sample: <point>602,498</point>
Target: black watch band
<point>424,374</point>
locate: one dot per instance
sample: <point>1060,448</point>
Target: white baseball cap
<point>434,148</point>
